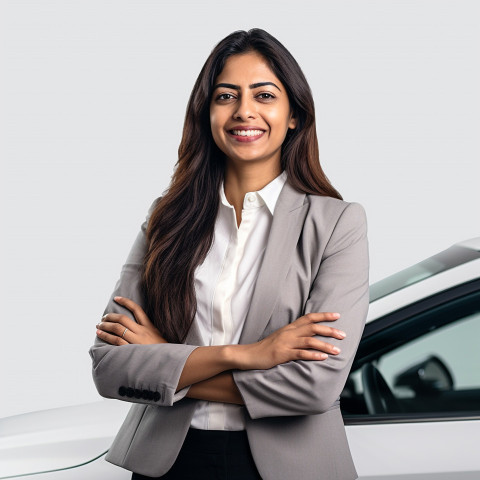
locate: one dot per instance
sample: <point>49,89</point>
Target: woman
<point>217,329</point>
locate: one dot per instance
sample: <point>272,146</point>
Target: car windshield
<point>452,257</point>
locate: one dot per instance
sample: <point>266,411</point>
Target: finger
<point>319,345</point>
<point>316,317</point>
<point>137,310</point>
<point>326,331</point>
<point>312,329</point>
<point>120,319</point>
<point>112,327</point>
<point>311,355</point>
<point>111,339</point>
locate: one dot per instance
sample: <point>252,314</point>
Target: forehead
<point>246,68</point>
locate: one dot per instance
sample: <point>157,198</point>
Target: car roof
<point>448,268</point>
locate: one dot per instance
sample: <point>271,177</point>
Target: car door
<point>412,401</point>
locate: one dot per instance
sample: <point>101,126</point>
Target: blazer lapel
<point>287,223</point>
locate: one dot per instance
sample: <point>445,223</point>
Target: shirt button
<point>251,198</point>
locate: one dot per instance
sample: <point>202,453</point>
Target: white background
<point>93,96</point>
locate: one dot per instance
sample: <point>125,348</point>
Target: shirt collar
<point>268,194</point>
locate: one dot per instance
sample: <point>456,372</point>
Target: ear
<point>292,123</point>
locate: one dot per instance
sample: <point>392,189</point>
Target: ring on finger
<point>124,332</point>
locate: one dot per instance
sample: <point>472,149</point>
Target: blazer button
<point>156,396</point>
<point>138,393</point>
<point>122,391</point>
<point>145,394</point>
<point>130,392</point>
<point>150,395</point>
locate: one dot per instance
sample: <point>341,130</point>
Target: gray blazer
<point>316,260</point>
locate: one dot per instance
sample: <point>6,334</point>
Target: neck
<point>247,178</point>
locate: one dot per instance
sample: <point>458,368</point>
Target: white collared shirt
<point>224,285</point>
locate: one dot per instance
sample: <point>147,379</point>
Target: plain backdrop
<point>93,97</point>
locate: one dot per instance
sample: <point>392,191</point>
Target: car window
<point>427,365</point>
<point>456,346</point>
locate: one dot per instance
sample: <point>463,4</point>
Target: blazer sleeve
<point>137,373</point>
<point>308,387</point>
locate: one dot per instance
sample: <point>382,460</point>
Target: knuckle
<point>324,330</point>
<point>307,355</point>
<point>301,355</point>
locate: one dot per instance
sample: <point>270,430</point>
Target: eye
<point>225,96</point>
<point>266,96</point>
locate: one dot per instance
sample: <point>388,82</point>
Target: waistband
<point>216,441</point>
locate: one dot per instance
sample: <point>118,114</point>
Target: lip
<point>245,139</point>
<point>246,127</point>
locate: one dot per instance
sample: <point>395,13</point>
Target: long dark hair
<point>181,227</point>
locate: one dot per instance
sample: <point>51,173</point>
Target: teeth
<point>247,133</point>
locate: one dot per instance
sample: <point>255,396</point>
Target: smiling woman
<point>250,119</point>
<point>219,330</point>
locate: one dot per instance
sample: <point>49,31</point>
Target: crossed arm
<point>279,375</point>
<point>208,370</point>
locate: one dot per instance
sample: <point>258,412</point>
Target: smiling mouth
<point>246,135</point>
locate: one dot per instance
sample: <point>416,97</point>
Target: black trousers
<point>212,455</point>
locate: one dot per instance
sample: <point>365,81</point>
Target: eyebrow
<point>237,87</point>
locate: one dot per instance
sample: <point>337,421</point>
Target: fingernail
<point>117,298</point>
<point>321,356</point>
<point>99,331</point>
<point>342,334</point>
<point>336,349</point>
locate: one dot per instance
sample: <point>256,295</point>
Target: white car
<point>412,401</point>
<point>411,404</point>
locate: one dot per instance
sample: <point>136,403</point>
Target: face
<point>249,112</point>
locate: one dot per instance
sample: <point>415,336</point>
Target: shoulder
<point>334,212</point>
<point>154,204</point>
<point>337,226</point>
<point>152,207</point>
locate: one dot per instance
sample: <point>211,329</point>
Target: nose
<point>245,108</point>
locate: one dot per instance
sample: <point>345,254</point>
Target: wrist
<point>237,356</point>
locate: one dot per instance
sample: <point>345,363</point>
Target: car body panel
<point>58,438</point>
<point>415,449</point>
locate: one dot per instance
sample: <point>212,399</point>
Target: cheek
<point>213,124</point>
<point>280,118</point>
<point>216,128</point>
<point>216,122</point>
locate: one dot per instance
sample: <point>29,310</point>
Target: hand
<point>293,342</point>
<point>112,327</point>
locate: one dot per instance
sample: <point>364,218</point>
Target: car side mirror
<point>426,377</point>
